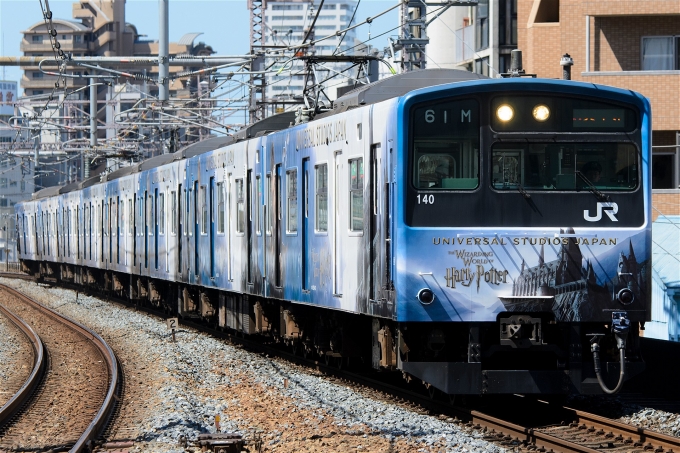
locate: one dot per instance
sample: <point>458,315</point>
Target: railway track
<point>556,428</point>
<point>67,405</point>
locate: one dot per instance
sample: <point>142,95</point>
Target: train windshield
<point>446,145</point>
<point>560,167</point>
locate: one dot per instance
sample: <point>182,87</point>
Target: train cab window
<point>204,210</point>
<point>292,201</point>
<point>561,166</point>
<point>445,145</point>
<point>240,207</point>
<point>161,213</point>
<point>321,198</point>
<point>356,194</point>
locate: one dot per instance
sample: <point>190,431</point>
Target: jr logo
<point>609,208</point>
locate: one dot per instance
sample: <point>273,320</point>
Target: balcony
<point>45,46</point>
<point>464,44</point>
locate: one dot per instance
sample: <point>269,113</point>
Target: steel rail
<point>24,393</point>
<point>97,425</point>
<point>637,436</point>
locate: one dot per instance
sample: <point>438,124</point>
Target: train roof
<point>269,124</point>
<point>399,85</point>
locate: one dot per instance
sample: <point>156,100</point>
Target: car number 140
<point>425,199</point>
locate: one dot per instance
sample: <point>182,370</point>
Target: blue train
<point>480,235</point>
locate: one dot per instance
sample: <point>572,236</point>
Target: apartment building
<point>478,38</point>
<point>631,44</point>
<point>286,23</point>
<point>98,29</point>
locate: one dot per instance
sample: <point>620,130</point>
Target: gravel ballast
<point>175,390</point>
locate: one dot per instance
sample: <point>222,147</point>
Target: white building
<point>286,23</point>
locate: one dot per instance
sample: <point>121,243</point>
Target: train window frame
<point>268,213</point>
<point>221,220</point>
<point>356,193</point>
<point>203,199</point>
<point>321,196</point>
<point>292,201</point>
<point>173,213</point>
<point>257,211</point>
<point>161,213</point>
<point>150,215</point>
<point>131,217</point>
<point>239,195</point>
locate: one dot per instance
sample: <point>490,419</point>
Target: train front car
<point>523,245</point>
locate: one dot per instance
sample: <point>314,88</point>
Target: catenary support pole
<point>163,50</point>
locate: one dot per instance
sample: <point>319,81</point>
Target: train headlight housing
<point>541,112</point>
<point>625,296</point>
<point>425,296</point>
<point>505,113</point>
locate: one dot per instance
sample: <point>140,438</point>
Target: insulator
<point>57,45</point>
<point>53,32</point>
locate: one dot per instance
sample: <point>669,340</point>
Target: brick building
<point>633,44</point>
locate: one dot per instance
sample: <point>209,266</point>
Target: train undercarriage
<point>527,353</point>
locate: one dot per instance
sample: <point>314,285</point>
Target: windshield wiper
<point>600,196</point>
<point>524,193</point>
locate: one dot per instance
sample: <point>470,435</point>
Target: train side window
<point>268,215</point>
<point>240,208</point>
<point>220,208</point>
<point>161,213</point>
<point>130,217</point>
<point>173,213</point>
<point>191,213</point>
<point>356,194</point>
<point>292,201</point>
<point>204,210</point>
<point>256,203</point>
<point>150,215</point>
<point>322,198</point>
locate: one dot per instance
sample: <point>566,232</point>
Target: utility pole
<point>163,51</point>
<point>257,81</point>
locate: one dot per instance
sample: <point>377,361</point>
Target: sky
<point>224,23</point>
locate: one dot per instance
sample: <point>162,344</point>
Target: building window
<point>37,92</point>
<point>3,202</point>
<point>322,198</point>
<point>292,198</point>
<point>356,189</point>
<point>77,38</point>
<point>37,38</point>
<point>662,171</point>
<point>660,53</point>
<point>37,75</point>
<point>3,183</point>
<point>507,23</point>
<point>482,66</point>
<point>482,25</point>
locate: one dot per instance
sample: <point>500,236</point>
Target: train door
<point>155,227</point>
<point>276,215</point>
<point>374,276</point>
<point>249,225</point>
<point>211,225</point>
<point>338,226</point>
<point>306,237</point>
<point>180,229</point>
<point>146,229</point>
<point>196,233</point>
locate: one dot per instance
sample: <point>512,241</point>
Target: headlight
<point>541,112</point>
<point>505,113</point>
